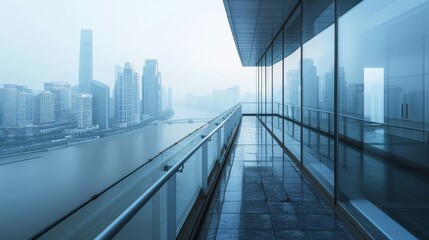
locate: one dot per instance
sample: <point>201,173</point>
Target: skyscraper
<point>44,107</point>
<point>63,98</point>
<point>127,97</point>
<point>24,108</point>
<point>16,106</point>
<point>85,61</point>
<point>8,106</point>
<point>84,111</point>
<point>151,88</point>
<point>100,104</point>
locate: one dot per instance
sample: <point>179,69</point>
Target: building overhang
<point>254,25</point>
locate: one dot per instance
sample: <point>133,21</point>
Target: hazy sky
<point>192,40</point>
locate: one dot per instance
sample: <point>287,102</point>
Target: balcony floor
<point>262,194</point>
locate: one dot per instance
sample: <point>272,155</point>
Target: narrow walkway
<point>263,195</point>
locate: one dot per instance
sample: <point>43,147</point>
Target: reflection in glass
<point>292,102</point>
<point>318,107</point>
<point>383,124</point>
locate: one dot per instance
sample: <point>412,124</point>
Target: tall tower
<point>151,88</point>
<point>127,97</point>
<point>85,61</point>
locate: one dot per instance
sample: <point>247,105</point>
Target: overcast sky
<point>192,40</point>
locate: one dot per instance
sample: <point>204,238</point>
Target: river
<point>39,188</point>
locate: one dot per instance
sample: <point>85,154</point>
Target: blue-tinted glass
<point>269,81</point>
<point>292,102</point>
<point>318,15</point>
<point>318,107</point>
<point>383,124</point>
<point>277,87</point>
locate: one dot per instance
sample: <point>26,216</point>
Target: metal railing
<point>323,120</point>
<point>169,179</point>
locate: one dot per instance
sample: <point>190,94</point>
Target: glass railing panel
<point>292,137</point>
<point>212,152</point>
<point>188,186</point>
<point>109,204</point>
<point>148,221</point>
<point>249,107</point>
<point>277,127</point>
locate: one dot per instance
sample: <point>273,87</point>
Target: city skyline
<point>117,44</point>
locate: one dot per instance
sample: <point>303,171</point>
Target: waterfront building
<point>100,104</point>
<point>84,111</point>
<point>151,88</point>
<point>85,61</point>
<point>8,106</point>
<point>127,97</point>
<point>44,108</point>
<point>63,99</point>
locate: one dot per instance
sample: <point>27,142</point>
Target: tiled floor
<point>263,195</point>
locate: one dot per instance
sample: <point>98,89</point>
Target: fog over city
<point>192,41</point>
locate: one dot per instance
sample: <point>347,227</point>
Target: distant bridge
<point>187,120</point>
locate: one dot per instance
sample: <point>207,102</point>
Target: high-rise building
<point>63,98</point>
<point>84,111</point>
<point>100,104</point>
<point>16,106</point>
<point>44,108</point>
<point>127,97</point>
<point>8,106</point>
<point>85,61</point>
<point>24,108</point>
<point>151,88</point>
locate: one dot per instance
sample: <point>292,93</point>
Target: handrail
<point>352,118</point>
<point>114,227</point>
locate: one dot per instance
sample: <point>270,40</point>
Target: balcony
<point>229,179</point>
<point>263,194</point>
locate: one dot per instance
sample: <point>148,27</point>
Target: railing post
<point>219,145</point>
<point>204,164</point>
<point>229,128</point>
<point>225,133</point>
<point>171,208</point>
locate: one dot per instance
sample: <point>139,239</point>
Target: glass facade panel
<point>318,106</point>
<point>263,87</point>
<point>269,84</point>
<point>277,86</point>
<point>292,102</point>
<point>377,87</point>
<point>383,109</point>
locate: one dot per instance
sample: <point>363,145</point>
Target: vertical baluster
<point>171,208</point>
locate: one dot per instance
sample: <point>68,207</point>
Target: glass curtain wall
<point>269,84</point>
<point>292,84</point>
<point>318,90</point>
<point>263,87</point>
<point>383,57</point>
<point>383,107</point>
<point>277,86</point>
